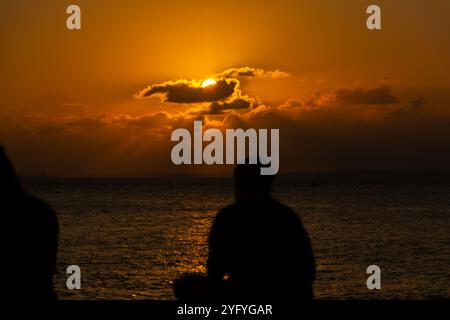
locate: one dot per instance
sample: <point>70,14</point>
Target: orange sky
<point>349,98</point>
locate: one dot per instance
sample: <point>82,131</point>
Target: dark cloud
<point>89,123</point>
<point>346,138</point>
<point>145,121</point>
<point>314,101</point>
<point>191,91</point>
<point>291,103</point>
<point>317,133</point>
<point>294,105</point>
<point>380,95</point>
<point>418,102</point>
<point>236,104</point>
<point>251,72</point>
<point>183,91</point>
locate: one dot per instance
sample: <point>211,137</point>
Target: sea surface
<point>133,237</point>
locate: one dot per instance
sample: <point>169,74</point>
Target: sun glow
<point>208,82</point>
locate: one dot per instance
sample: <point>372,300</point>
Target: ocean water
<point>132,238</point>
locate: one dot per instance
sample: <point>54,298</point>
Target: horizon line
<point>281,175</point>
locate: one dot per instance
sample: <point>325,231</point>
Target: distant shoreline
<point>307,178</point>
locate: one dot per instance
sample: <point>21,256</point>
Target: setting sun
<point>208,82</point>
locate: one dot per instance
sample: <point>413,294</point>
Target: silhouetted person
<point>258,248</point>
<point>29,240</point>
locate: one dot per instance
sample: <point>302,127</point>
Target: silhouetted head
<point>249,183</point>
<point>9,182</point>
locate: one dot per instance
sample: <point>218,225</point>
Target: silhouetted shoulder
<point>41,209</point>
<point>29,239</point>
<point>268,205</point>
<point>227,211</point>
<point>282,208</point>
<point>220,221</point>
<point>46,226</point>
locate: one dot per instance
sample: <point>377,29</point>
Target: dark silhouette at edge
<point>30,239</point>
<point>258,248</point>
